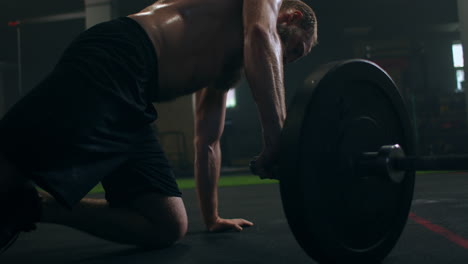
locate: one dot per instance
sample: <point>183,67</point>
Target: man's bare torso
<point>199,43</point>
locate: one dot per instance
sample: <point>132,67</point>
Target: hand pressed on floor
<point>222,224</point>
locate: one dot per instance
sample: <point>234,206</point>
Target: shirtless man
<point>90,119</point>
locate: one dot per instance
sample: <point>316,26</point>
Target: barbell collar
<point>382,163</point>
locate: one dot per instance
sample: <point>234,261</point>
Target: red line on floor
<point>440,230</point>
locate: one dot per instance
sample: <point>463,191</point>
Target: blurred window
<point>231,98</point>
<point>458,64</point>
<point>457,50</point>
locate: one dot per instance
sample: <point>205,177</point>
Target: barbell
<point>347,163</point>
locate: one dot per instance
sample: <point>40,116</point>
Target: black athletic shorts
<point>91,119</point>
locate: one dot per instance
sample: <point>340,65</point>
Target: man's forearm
<point>264,71</point>
<point>207,171</point>
<point>264,65</point>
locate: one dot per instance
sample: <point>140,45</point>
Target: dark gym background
<point>410,39</point>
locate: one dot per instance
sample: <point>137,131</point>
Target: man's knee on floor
<point>167,216</point>
<point>165,233</point>
<point>176,230</point>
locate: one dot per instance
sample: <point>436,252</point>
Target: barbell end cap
<point>387,155</point>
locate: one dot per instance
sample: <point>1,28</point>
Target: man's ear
<point>290,17</point>
<point>296,16</point>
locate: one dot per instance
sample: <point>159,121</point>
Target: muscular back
<point>199,43</point>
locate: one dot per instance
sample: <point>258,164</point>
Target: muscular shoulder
<point>263,13</point>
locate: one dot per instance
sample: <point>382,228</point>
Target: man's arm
<point>263,62</point>
<point>210,111</point>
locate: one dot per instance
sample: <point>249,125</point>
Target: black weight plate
<point>337,213</point>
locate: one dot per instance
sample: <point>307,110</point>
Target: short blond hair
<point>308,22</point>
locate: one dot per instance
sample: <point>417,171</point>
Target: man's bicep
<point>262,45</point>
<point>262,13</point>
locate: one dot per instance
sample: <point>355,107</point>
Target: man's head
<point>297,28</point>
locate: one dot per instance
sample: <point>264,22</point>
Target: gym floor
<point>437,232</point>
